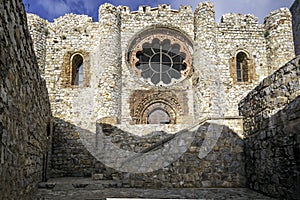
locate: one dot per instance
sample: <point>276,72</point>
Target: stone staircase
<point>79,188</point>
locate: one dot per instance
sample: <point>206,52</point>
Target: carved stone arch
<point>143,102</point>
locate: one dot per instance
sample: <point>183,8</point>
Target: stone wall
<point>271,126</point>
<point>24,107</point>
<point>39,30</point>
<point>222,167</point>
<point>295,9</point>
<point>235,33</point>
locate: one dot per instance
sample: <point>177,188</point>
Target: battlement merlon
<point>124,9</point>
<point>238,19</point>
<point>160,8</point>
<point>205,6</point>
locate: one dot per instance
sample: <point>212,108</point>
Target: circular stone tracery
<point>161,60</point>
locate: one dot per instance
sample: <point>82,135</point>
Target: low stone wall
<point>222,167</point>
<point>24,107</point>
<point>272,128</point>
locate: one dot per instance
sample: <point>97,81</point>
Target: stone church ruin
<point>153,98</point>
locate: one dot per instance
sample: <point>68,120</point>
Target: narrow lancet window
<point>77,70</point>
<point>241,67</point>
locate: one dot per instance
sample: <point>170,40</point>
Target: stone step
<point>71,183</point>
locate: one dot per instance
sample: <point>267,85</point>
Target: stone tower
<point>205,32</point>
<point>109,62</point>
<point>279,38</point>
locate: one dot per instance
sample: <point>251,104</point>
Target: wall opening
<point>158,116</point>
<point>242,67</point>
<point>77,69</point>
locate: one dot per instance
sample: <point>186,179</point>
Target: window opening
<point>161,61</point>
<point>77,70</point>
<point>158,116</point>
<point>241,67</point>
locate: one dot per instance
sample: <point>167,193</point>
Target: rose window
<point>161,60</point>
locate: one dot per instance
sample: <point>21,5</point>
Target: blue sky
<point>51,9</point>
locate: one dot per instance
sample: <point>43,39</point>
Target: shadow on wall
<point>273,154</point>
<point>222,167</point>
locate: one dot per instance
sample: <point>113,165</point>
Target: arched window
<point>77,69</point>
<point>158,116</point>
<point>242,68</point>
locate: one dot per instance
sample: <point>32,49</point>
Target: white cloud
<point>55,8</point>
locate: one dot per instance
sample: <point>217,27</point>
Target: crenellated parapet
<point>145,9</point>
<point>240,20</point>
<point>162,15</point>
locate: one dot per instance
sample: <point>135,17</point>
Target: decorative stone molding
<point>143,102</point>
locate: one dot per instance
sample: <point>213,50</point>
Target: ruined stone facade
<point>108,50</point>
<point>138,77</point>
<point>25,116</point>
<point>155,70</point>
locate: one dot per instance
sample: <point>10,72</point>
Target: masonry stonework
<point>132,64</point>
<point>295,9</point>
<point>25,116</point>
<point>272,124</point>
